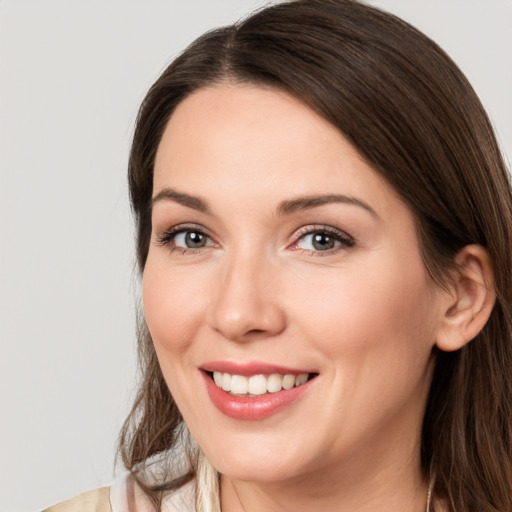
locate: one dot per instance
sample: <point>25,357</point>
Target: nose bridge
<point>246,305</point>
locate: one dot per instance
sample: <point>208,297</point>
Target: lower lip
<point>252,407</point>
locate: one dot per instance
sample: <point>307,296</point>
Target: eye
<point>322,239</point>
<point>318,242</point>
<point>190,239</point>
<point>185,238</point>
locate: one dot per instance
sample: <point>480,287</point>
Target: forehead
<point>231,141</point>
<point>229,120</point>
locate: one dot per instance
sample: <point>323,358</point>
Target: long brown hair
<point>407,108</point>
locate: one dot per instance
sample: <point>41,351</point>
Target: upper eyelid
<point>164,235</point>
<point>318,228</point>
<point>185,227</point>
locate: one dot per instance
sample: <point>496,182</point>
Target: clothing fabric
<point>91,501</point>
<point>126,496</point>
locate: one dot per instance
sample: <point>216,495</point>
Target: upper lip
<point>251,368</point>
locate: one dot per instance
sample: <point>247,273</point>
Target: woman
<point>324,235</point>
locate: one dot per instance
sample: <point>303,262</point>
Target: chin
<point>258,465</point>
<point>262,473</point>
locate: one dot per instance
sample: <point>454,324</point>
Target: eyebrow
<point>307,202</point>
<point>187,200</point>
<point>287,207</point>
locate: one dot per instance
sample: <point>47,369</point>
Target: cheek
<point>173,308</point>
<point>403,303</point>
<point>379,305</point>
<point>173,305</point>
<point>375,326</point>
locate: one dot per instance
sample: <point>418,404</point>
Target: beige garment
<point>126,496</point>
<point>97,500</point>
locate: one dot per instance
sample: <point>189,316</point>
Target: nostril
<point>255,331</point>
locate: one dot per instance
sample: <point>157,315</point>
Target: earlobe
<point>468,306</point>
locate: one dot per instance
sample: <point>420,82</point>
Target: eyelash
<point>344,239</point>
<point>170,235</point>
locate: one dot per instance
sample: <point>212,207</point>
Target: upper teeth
<point>257,384</point>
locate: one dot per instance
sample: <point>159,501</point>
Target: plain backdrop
<point>72,75</point>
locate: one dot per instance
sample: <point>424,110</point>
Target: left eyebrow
<point>196,203</point>
<point>307,202</point>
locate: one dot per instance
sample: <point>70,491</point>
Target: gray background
<point>72,75</point>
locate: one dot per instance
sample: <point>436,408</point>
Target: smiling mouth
<point>257,385</point>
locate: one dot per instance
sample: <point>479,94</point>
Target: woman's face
<point>279,255</point>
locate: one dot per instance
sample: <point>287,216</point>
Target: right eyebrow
<point>169,194</point>
<point>314,201</point>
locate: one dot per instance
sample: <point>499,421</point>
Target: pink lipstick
<point>254,391</point>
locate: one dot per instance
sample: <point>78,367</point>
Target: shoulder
<point>97,500</point>
<point>127,496</point>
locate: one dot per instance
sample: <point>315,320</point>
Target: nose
<point>246,302</point>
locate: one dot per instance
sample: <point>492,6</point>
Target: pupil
<point>194,239</point>
<point>323,242</point>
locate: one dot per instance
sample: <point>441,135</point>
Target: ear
<point>471,297</point>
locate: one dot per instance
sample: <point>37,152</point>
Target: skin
<point>364,315</point>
